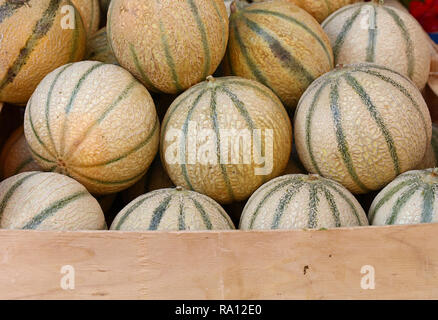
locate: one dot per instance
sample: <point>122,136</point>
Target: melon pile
<point>214,115</point>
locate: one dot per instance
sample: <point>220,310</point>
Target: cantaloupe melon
<point>410,199</point>
<point>48,201</point>
<point>156,178</point>
<point>168,45</point>
<point>98,48</point>
<point>16,157</point>
<point>90,13</point>
<point>94,122</point>
<point>172,209</point>
<point>299,201</point>
<point>278,44</point>
<point>362,125</point>
<point>371,32</point>
<point>215,134</point>
<point>33,43</point>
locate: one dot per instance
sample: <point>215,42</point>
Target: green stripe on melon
<point>144,77</point>
<point>8,8</point>
<point>205,44</point>
<point>299,201</point>
<point>169,58</point>
<point>295,21</point>
<point>409,199</point>
<point>172,209</point>
<point>38,219</point>
<point>259,76</point>
<point>288,61</point>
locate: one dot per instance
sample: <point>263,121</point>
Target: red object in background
<point>426,12</point>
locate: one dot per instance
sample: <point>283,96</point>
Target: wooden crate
<point>298,264</point>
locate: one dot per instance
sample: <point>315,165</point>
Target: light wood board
<point>298,264</point>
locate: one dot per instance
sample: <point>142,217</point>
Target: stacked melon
<point>372,32</point>
<point>340,101</point>
<point>279,45</point>
<point>36,39</point>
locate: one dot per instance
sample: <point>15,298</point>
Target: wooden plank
<point>222,265</point>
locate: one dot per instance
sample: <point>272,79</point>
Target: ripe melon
<point>48,201</point>
<point>299,201</point>
<point>90,13</point>
<point>16,157</point>
<point>215,133</point>
<point>362,125</point>
<point>168,45</point>
<point>94,122</point>
<point>278,44</point>
<point>172,209</point>
<point>34,43</point>
<point>98,48</point>
<point>410,199</point>
<point>156,178</point>
<point>371,32</point>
